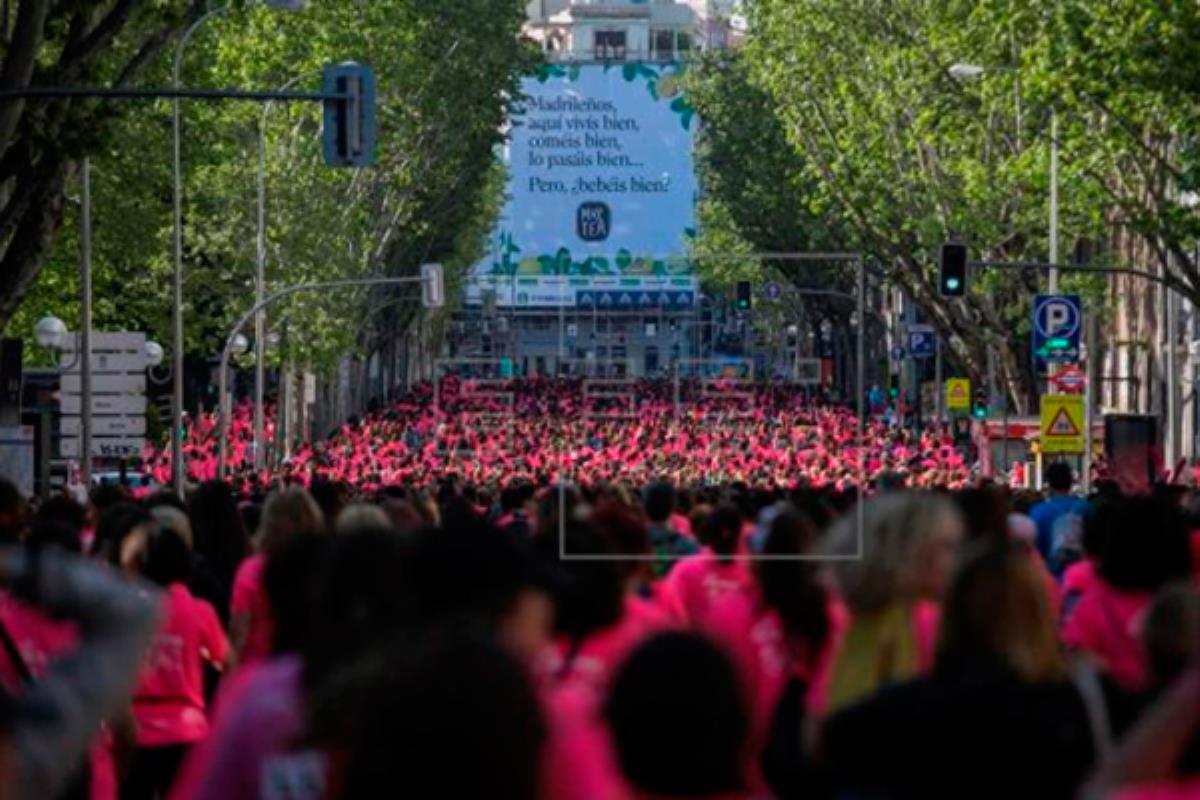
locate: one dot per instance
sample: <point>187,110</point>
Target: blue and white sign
<point>629,299</point>
<point>1057,320</point>
<point>601,184</point>
<point>922,341</point>
<point>772,291</point>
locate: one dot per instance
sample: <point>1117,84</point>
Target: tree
<point>891,155</point>
<point>105,42</point>
<point>445,74</point>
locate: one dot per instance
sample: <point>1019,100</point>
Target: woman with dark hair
<point>678,720</point>
<point>455,718</point>
<point>169,706</point>
<point>221,543</point>
<point>261,716</point>
<point>1145,548</point>
<point>121,537</point>
<point>288,513</point>
<point>780,631</point>
<point>697,584</point>
<point>1000,675</point>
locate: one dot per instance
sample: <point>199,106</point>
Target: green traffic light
<point>952,284</point>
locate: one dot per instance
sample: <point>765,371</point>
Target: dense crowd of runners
<point>490,432</point>
<point>704,609</point>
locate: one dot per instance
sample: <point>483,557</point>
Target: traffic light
<point>979,408</point>
<point>349,127</point>
<point>893,386</point>
<point>433,287</point>
<point>953,274</point>
<point>743,296</point>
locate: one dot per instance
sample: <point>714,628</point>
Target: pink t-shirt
<point>1077,580</point>
<point>40,640</point>
<point>696,585</point>
<point>259,718</point>
<point>168,704</point>
<point>1107,623</point>
<point>580,760</point>
<point>753,635</point>
<point>592,663</point>
<point>250,598</point>
<point>1183,789</point>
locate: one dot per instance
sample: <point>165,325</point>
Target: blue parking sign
<point>1057,321</point>
<point>922,341</point>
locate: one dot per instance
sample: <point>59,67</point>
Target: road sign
<point>108,362</point>
<point>1062,429</point>
<point>107,426</point>
<point>1071,380</point>
<point>102,447</point>
<point>1056,324</point>
<point>772,291</point>
<point>897,353</point>
<point>106,383</point>
<point>958,394</point>
<point>105,404</point>
<point>115,342</point>
<point>922,341</point>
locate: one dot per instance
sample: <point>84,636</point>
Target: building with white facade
<point>630,30</point>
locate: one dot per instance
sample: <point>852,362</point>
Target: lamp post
<point>972,71</point>
<point>177,466</point>
<point>178,471</point>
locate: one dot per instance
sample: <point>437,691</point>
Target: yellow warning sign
<point>1062,423</point>
<point>958,394</point>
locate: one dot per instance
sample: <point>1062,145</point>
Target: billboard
<point>601,190</point>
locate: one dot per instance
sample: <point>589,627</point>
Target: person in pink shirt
<point>779,631</point>
<point>287,514</point>
<point>597,622</point>
<point>699,583</point>
<point>168,704</point>
<point>1145,547</point>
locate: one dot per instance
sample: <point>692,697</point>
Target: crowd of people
<point>357,635</point>
<point>489,432</point>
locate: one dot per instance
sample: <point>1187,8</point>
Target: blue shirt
<point>1044,515</point>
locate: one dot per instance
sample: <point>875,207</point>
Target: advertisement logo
<point>593,221</point>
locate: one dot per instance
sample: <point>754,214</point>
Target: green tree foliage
<point>840,122</point>
<point>445,73</point>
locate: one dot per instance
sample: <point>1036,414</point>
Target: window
<point>684,43</point>
<point>662,45</point>
<point>610,45</point>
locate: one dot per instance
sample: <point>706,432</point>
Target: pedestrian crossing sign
<point>958,394</point>
<point>1062,424</point>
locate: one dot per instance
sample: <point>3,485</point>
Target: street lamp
<point>260,280</point>
<point>177,466</point>
<point>240,346</point>
<point>971,71</point>
<point>154,354</point>
<point>50,333</point>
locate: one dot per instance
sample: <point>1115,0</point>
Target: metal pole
<point>177,466</point>
<point>1088,395</point>
<point>222,367</point>
<point>939,393</point>
<point>260,284</point>
<point>85,333</point>
<point>1053,200</point>
<point>1172,387</point>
